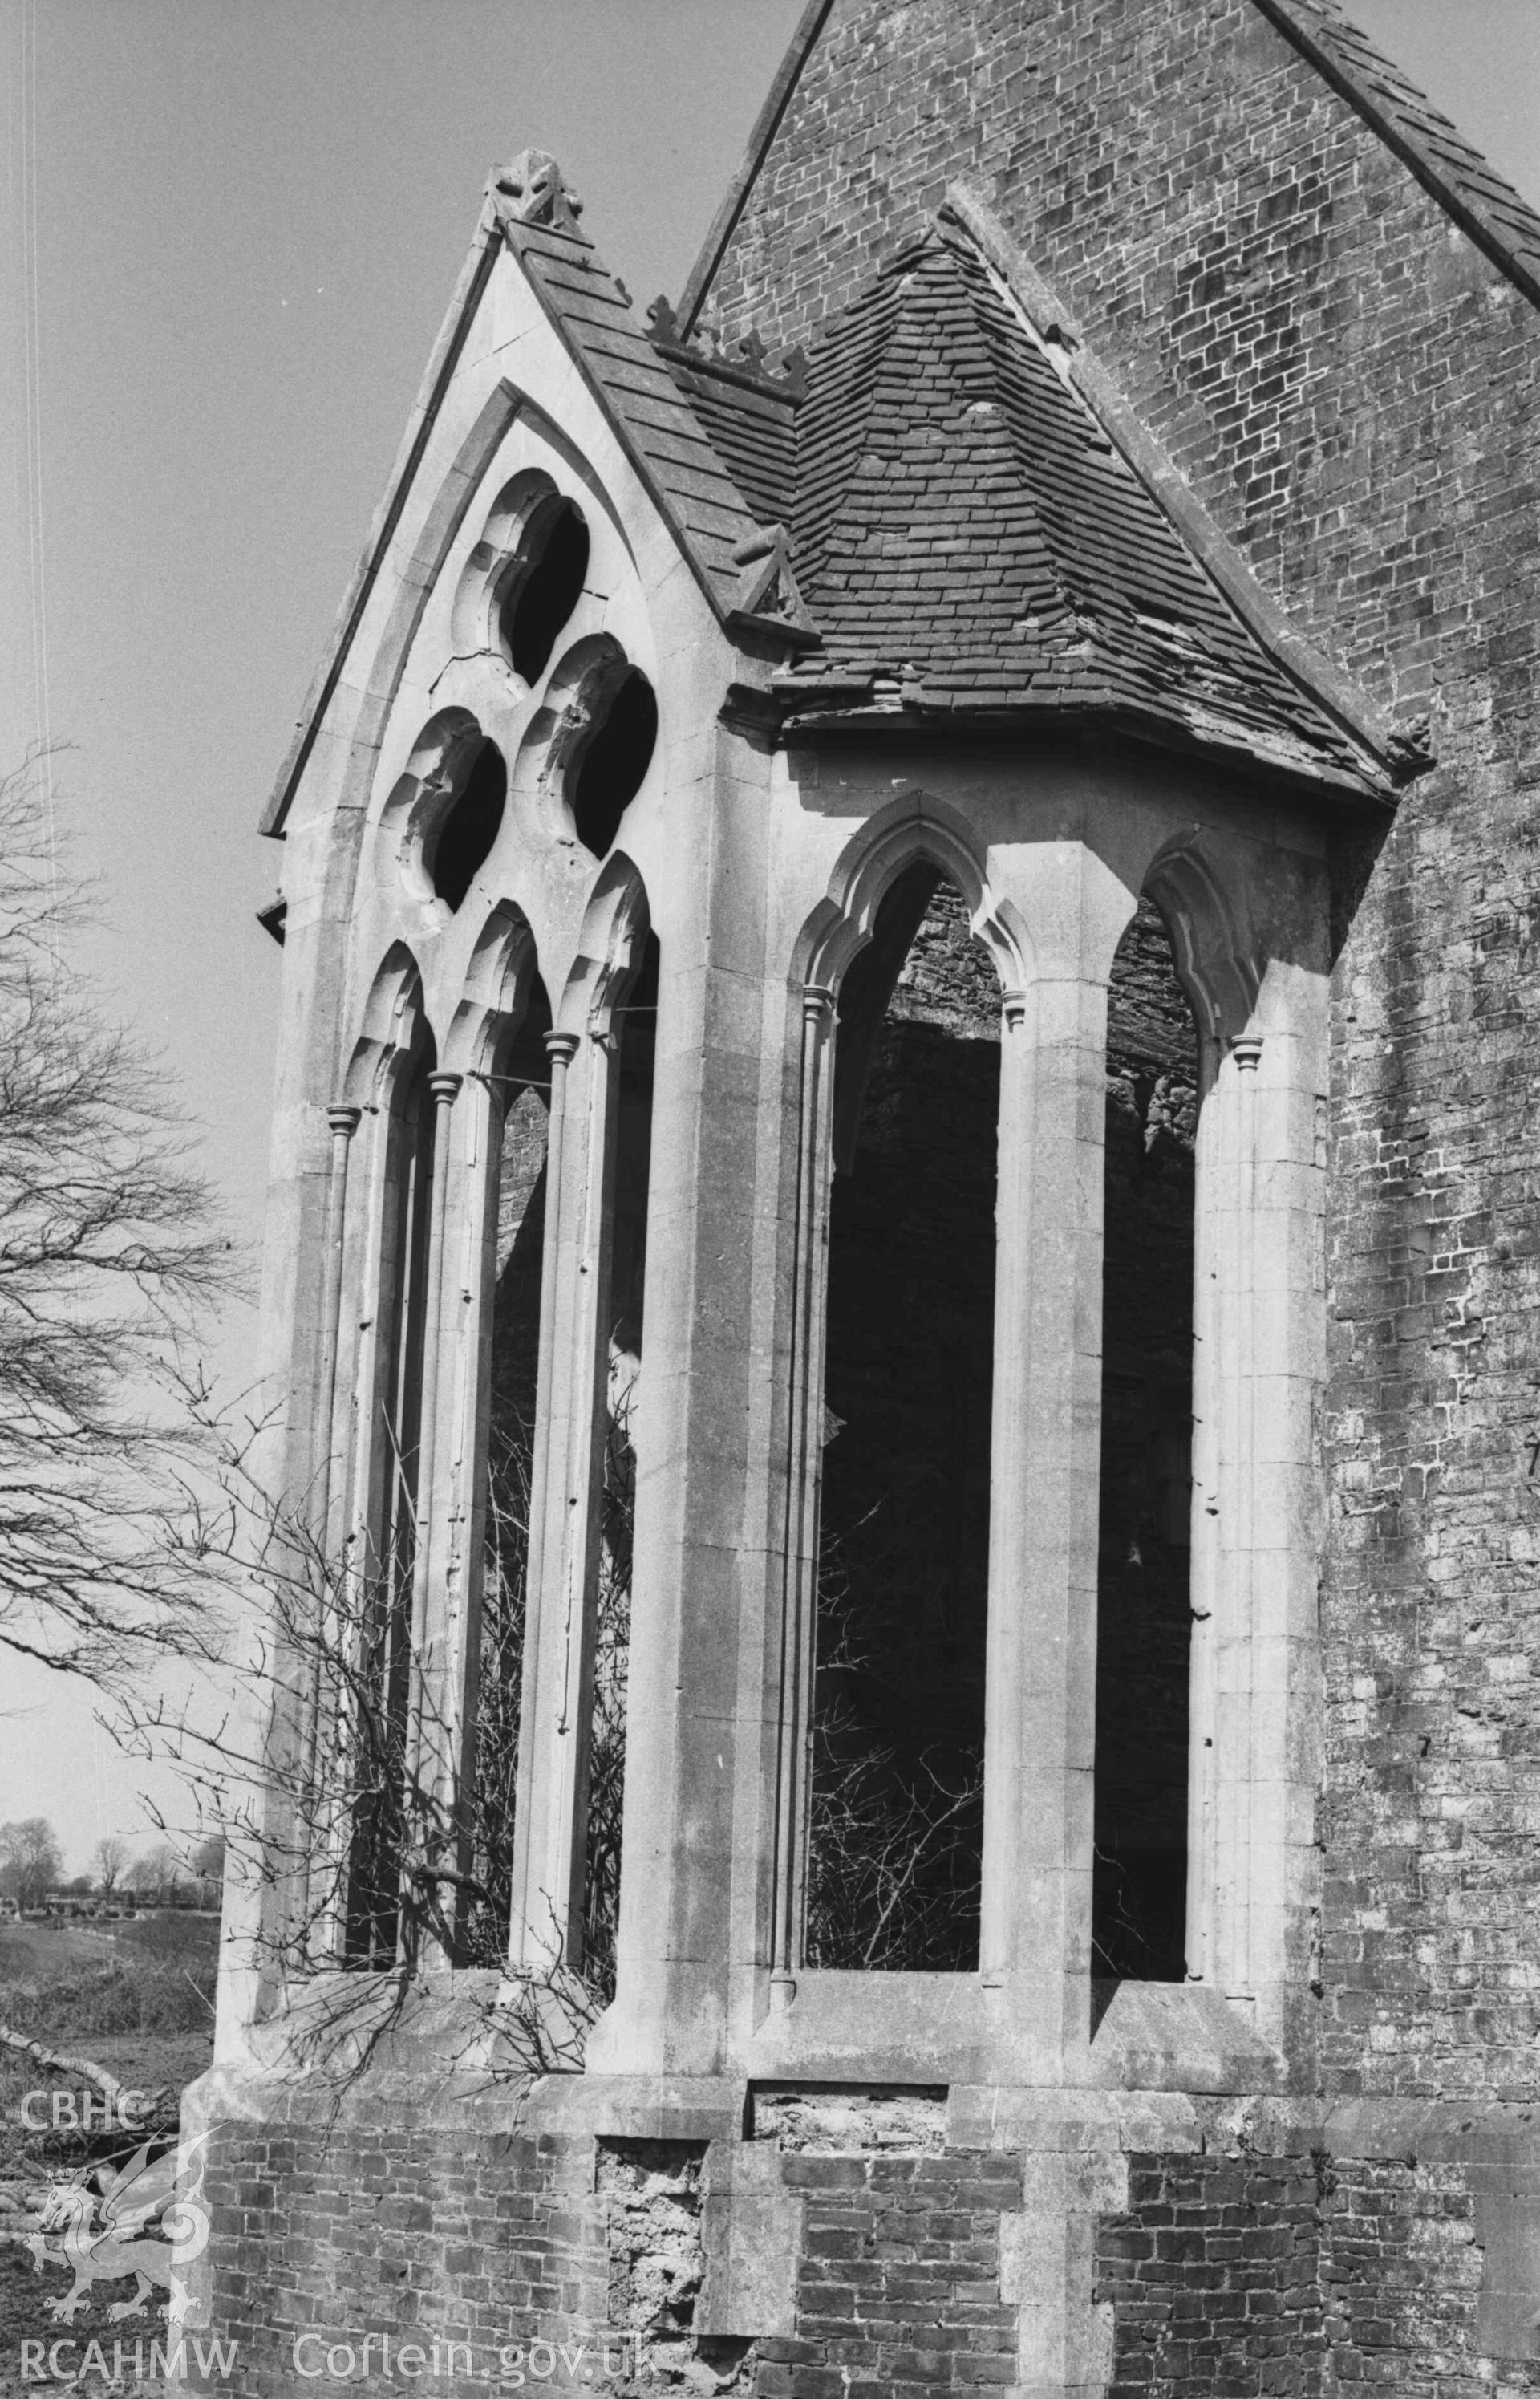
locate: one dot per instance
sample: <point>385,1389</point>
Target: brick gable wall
<point>1350,390</point>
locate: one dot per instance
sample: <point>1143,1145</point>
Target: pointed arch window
<point>381,1729</point>
<point>1156,1353</point>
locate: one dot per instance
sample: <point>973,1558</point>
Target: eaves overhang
<point>1043,732</point>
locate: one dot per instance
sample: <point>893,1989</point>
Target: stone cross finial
<point>534,186</point>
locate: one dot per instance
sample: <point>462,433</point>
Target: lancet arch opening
<point>386,1663</point>
<point>896,1800</point>
<point>505,1502</point>
<point>1145,1553</point>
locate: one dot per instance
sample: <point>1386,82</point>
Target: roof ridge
<point>947,240</point>
<point>909,324</point>
<point>814,525</point>
<point>980,544</point>
<point>1213,552</point>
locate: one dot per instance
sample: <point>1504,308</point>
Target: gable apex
<point>1478,199</point>
<point>529,211</point>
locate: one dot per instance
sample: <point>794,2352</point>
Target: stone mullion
<point>685,1690</point>
<point>465,1332</point>
<point>1287,1368</point>
<point>1230,1889</point>
<point>423,1731</point>
<point>350,1504</point>
<point>1041,1674</point>
<point>799,1623</point>
<point>425,1620</point>
<point>550,1825</point>
<point>316,1778</point>
<point>1206,1567</point>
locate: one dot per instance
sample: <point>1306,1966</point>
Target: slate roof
<point>969,543</point>
<point>666,436</point>
<point>961,539</point>
<point>751,419</point>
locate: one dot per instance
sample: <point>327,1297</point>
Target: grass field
<point>136,1998</point>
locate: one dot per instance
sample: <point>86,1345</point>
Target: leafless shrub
<point>335,1777</point>
<point>893,1849</point>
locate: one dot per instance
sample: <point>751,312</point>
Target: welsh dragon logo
<point>148,2220</point>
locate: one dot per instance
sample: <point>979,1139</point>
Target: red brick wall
<point>1352,390</point>
<point>1294,2274</point>
<point>1213,2275</point>
<point>385,2225</point>
<point>498,2240</point>
<point>899,2283</point>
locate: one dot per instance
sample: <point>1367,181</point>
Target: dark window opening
<point>895,1815</point>
<point>612,1632</point>
<point>517,1240</point>
<point>1143,1603</point>
<point>379,1701</point>
<point>545,591</point>
<point>463,843</point>
<point>614,762</point>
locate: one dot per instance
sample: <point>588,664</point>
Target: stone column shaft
<point>549,1822</point>
<point>799,1623</point>
<point>442,1089</point>
<point>1045,1469</point>
<point>321,1733</point>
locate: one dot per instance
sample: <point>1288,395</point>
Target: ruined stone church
<point>903,1256</point>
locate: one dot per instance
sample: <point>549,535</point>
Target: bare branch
<point>111,1260</point>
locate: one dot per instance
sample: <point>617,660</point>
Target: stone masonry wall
<point>1350,390</point>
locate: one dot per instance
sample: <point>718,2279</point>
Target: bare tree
<point>31,1862</point>
<point>157,1870</point>
<point>110,1857</point>
<point>108,1254</point>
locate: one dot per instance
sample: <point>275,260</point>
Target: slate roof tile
<point>962,517</point>
<point>963,531</point>
<point>664,434</point>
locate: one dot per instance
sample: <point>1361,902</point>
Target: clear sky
<point>243,222</point>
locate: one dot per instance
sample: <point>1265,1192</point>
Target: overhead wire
<point>31,414</point>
